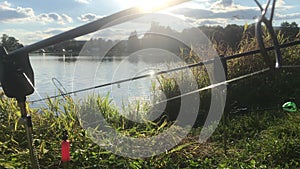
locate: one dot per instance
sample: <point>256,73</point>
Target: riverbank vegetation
<point>256,138</point>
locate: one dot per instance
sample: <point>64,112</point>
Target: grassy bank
<point>254,140</point>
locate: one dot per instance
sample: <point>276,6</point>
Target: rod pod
<point>29,131</point>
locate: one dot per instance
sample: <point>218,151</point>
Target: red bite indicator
<point>65,147</point>
<point>65,151</point>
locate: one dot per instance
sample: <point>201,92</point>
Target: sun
<point>144,5</point>
<point>150,5</point>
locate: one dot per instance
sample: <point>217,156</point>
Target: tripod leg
<point>28,128</point>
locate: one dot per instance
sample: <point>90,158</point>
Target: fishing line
<point>216,85</point>
<point>173,98</point>
<point>95,74</point>
<point>290,66</point>
<point>62,91</point>
<point>121,81</point>
<point>252,52</point>
<point>263,50</point>
<point>31,84</point>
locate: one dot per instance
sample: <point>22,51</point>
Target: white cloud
<point>54,17</point>
<point>28,37</point>
<point>221,12</point>
<point>280,2</point>
<point>83,1</point>
<point>222,4</point>
<point>67,18</point>
<point>208,22</point>
<point>113,33</point>
<point>9,13</point>
<point>237,13</point>
<point>291,16</point>
<point>281,5</point>
<point>55,31</point>
<point>88,17</point>
<point>5,4</point>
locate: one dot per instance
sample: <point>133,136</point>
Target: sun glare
<point>150,5</point>
<point>152,73</point>
<point>145,5</point>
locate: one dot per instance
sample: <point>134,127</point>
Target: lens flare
<point>150,5</point>
<point>144,5</point>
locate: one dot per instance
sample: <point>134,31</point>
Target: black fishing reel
<point>16,75</point>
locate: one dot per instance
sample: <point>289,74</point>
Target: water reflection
<point>75,73</point>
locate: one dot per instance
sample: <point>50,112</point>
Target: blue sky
<point>34,20</point>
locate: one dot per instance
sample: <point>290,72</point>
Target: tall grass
<point>258,139</point>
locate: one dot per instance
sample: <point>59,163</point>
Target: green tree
<point>233,35</point>
<point>10,43</point>
<point>289,30</point>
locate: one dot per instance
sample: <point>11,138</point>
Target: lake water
<point>53,73</point>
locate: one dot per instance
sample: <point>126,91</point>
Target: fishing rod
<point>16,73</point>
<point>235,56</point>
<point>105,22</point>
<point>262,49</point>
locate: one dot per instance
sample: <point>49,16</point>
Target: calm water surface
<point>87,72</point>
